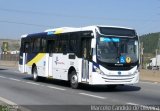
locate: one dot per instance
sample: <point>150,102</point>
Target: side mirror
<point>93,43</point>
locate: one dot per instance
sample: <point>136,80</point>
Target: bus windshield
<point>117,50</point>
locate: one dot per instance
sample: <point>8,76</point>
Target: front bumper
<point>97,79</point>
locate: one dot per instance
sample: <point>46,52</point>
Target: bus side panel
<point>28,65</point>
<point>77,65</point>
<point>37,59</point>
<point>49,66</point>
<point>61,64</point>
<point>41,65</point>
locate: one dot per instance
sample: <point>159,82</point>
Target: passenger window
<point>50,46</point>
<point>43,45</point>
<point>26,47</point>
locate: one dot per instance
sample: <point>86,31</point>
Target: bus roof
<point>73,29</point>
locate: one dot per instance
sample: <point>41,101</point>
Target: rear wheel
<point>74,80</point>
<point>35,74</point>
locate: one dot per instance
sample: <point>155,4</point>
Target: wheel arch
<point>70,71</point>
<point>33,66</point>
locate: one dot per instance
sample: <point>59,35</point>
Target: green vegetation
<point>150,42</point>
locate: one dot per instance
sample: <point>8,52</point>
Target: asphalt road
<point>22,90</point>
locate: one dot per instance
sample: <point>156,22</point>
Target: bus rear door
<point>50,48</point>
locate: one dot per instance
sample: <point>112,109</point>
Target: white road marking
<point>42,85</point>
<point>155,82</point>
<point>15,79</point>
<point>95,96</point>
<point>52,87</point>
<point>8,101</point>
<point>32,83</point>
<point>3,77</point>
<point>132,104</point>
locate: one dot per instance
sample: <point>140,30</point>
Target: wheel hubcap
<point>74,79</point>
<point>35,75</point>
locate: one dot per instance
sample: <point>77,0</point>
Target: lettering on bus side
<point>58,62</point>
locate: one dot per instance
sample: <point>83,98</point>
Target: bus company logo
<point>50,32</point>
<point>119,73</point>
<point>58,62</point>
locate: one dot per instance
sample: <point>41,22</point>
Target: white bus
<point>94,55</point>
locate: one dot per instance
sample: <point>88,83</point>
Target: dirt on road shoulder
<point>150,75</point>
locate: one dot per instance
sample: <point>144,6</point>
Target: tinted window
<point>117,31</point>
<point>35,45</point>
<point>26,47</point>
<point>73,45</point>
<point>50,46</point>
<point>62,43</point>
<point>43,45</point>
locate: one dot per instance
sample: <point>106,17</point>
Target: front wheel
<point>74,80</point>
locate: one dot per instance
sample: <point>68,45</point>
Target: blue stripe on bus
<point>31,56</point>
<point>94,64</point>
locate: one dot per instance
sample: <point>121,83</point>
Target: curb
<point>7,105</point>
<point>148,81</point>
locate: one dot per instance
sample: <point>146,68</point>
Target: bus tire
<point>74,80</point>
<point>35,74</point>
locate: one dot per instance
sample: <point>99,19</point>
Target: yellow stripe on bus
<point>58,31</point>
<point>36,59</point>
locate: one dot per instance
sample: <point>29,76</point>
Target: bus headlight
<point>98,70</point>
<point>135,72</point>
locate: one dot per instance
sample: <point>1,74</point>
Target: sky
<point>18,17</point>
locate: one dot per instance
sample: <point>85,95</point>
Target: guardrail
<point>9,57</point>
<point>9,60</point>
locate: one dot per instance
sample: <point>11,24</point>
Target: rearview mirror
<point>93,43</point>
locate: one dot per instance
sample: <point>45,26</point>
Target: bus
<point>94,55</point>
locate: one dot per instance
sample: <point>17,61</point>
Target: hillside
<point>150,42</point>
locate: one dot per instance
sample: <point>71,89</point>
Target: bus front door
<point>85,61</point>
